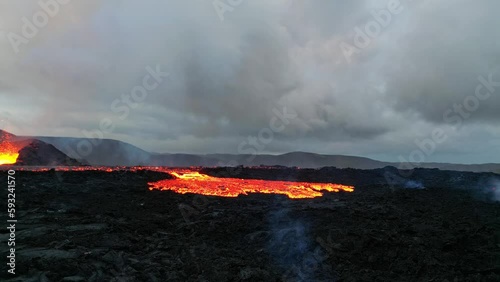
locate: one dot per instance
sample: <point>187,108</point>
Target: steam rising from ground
<point>292,248</point>
<point>495,190</point>
<point>413,184</point>
<point>289,241</point>
<point>488,189</point>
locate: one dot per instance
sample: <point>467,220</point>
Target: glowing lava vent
<point>190,181</point>
<point>8,152</point>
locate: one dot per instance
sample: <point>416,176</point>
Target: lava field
<point>113,225</point>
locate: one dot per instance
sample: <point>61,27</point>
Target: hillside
<point>114,153</point>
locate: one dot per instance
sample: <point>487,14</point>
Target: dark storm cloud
<point>438,62</point>
<point>247,95</point>
<point>228,78</point>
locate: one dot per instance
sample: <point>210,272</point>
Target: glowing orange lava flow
<point>189,181</point>
<point>8,153</point>
<point>192,181</point>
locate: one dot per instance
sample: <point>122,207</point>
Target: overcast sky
<point>233,66</point>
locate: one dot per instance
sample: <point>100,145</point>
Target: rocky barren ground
<point>99,226</point>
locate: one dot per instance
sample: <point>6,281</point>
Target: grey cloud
<point>226,77</point>
<point>438,62</point>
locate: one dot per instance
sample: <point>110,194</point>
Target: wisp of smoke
<point>495,190</point>
<point>412,184</point>
<point>289,240</point>
<point>488,189</point>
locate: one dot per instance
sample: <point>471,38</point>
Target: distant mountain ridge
<point>117,153</point>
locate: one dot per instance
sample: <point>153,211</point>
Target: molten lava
<point>192,181</point>
<point>189,181</point>
<point>8,153</point>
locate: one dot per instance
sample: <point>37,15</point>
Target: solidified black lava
<point>100,226</point>
<point>39,153</point>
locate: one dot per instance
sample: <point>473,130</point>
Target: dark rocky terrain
<point>38,153</point>
<point>98,226</point>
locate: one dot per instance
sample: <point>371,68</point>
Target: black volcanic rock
<point>39,153</point>
<point>99,224</point>
<point>4,135</point>
<point>16,141</point>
